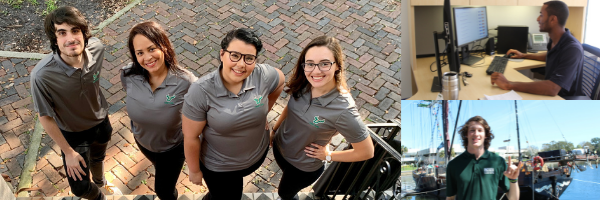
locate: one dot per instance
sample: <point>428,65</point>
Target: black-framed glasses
<point>235,56</point>
<point>323,66</point>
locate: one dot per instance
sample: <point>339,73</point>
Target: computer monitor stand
<point>436,85</point>
<point>467,59</point>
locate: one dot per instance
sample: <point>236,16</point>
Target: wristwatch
<point>328,157</point>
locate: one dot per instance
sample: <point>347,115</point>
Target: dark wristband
<point>513,180</point>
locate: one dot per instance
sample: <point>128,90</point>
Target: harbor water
<point>585,184</point>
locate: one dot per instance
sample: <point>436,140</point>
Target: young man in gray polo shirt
<point>67,97</point>
<point>564,58</point>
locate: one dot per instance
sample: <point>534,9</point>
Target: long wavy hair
<point>464,132</point>
<point>298,81</point>
<point>155,33</point>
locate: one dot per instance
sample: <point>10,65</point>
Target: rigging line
<point>420,125</point>
<point>529,127</point>
<point>511,127</point>
<point>455,124</point>
<point>563,135</point>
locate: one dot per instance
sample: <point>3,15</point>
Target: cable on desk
<point>481,55</point>
<point>442,61</point>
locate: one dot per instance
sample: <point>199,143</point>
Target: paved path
<point>369,31</point>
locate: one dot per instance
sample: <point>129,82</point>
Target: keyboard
<point>498,65</point>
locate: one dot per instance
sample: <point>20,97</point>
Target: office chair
<point>590,74</point>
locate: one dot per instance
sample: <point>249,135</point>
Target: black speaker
<point>512,37</point>
<point>489,47</point>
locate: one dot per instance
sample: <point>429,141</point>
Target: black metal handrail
<point>366,179</point>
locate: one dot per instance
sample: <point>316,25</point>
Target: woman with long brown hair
<point>155,87</point>
<point>320,107</point>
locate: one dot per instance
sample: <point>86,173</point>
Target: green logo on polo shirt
<point>317,121</point>
<point>96,76</point>
<point>258,101</point>
<point>169,99</point>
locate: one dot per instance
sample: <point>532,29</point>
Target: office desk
<point>479,84</point>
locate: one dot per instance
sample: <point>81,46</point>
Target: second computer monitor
<point>471,24</point>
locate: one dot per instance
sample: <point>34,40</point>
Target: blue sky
<point>539,121</point>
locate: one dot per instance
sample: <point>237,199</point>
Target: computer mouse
<point>509,55</point>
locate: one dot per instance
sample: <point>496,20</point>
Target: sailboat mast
<point>446,138</point>
<point>518,135</point>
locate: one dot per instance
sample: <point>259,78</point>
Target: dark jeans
<point>227,185</point>
<point>168,165</point>
<point>91,145</point>
<point>293,179</point>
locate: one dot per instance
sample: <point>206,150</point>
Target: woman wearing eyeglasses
<point>320,107</point>
<point>228,109</point>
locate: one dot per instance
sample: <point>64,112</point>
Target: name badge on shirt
<point>488,170</point>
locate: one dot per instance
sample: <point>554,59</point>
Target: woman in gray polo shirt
<point>155,87</point>
<point>229,107</point>
<point>320,107</point>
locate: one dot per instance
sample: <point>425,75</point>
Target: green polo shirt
<point>468,178</point>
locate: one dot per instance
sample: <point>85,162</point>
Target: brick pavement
<point>368,30</point>
<point>16,120</point>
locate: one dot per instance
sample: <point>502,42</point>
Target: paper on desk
<point>516,60</point>
<point>512,95</point>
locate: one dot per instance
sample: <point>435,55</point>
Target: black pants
<point>227,185</point>
<point>168,166</point>
<point>293,179</point>
<point>91,145</point>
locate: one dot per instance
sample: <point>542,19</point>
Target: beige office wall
<point>429,19</point>
<point>406,85</point>
<point>514,15</point>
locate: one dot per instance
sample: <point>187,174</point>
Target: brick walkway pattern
<point>368,30</point>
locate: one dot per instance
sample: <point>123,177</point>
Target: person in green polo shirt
<point>477,173</point>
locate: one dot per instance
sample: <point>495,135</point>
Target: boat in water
<point>546,176</point>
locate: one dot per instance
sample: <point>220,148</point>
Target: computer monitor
<point>471,26</point>
<point>450,48</point>
<point>512,37</point>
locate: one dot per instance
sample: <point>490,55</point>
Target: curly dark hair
<point>69,15</point>
<point>243,34</point>
<point>464,131</point>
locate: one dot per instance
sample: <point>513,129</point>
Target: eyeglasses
<point>323,66</point>
<point>235,56</point>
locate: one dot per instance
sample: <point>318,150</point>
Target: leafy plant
<point>14,3</point>
<point>50,6</point>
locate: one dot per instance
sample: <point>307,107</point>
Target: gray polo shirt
<point>317,120</point>
<point>234,137</point>
<point>156,116</point>
<point>70,95</point>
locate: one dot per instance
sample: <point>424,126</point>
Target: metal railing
<point>366,179</point>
